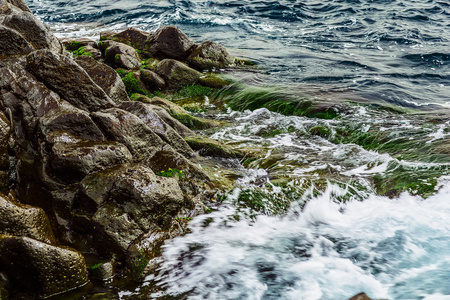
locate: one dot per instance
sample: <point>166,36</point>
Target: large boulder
<point>63,75</point>
<point>147,114</point>
<point>75,44</point>
<point>126,128</point>
<point>21,4</point>
<point>41,269</point>
<point>169,42</point>
<point>177,74</point>
<point>34,31</point>
<point>210,55</point>
<point>120,55</point>
<point>24,220</point>
<point>151,80</point>
<point>12,43</point>
<point>73,161</point>
<point>106,78</point>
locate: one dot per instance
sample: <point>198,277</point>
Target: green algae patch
<point>321,131</point>
<point>170,173</point>
<point>195,91</point>
<point>242,97</point>
<point>213,81</point>
<point>132,85</point>
<point>210,147</point>
<point>73,45</point>
<point>80,51</point>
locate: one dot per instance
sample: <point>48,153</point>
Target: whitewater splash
<point>393,249</point>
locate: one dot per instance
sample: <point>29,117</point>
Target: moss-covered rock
<point>152,81</point>
<point>176,74</point>
<point>121,55</point>
<point>209,147</point>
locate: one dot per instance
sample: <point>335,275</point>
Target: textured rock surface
<point>169,42</point>
<point>121,55</point>
<point>24,220</point>
<point>40,268</point>
<point>106,78</point>
<point>152,81</point>
<point>210,55</point>
<point>176,74</point>
<point>12,42</point>
<point>361,296</point>
<point>131,36</point>
<point>68,79</point>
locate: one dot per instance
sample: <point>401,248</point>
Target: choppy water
<point>323,231</point>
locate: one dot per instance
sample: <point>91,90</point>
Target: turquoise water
<point>337,235</point>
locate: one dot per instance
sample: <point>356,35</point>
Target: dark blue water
<point>391,51</point>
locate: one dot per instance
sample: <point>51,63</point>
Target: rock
<point>213,81</point>
<point>75,44</point>
<point>104,271</point>
<point>165,106</point>
<point>40,268</point>
<point>5,130</point>
<point>106,35</point>
<point>148,116</point>
<point>131,200</point>
<point>24,220</point>
<point>121,55</point>
<point>73,161</point>
<point>68,79</point>
<point>176,74</point>
<point>4,286</point>
<point>20,4</point>
<point>131,36</point>
<point>106,78</point>
<point>168,42</point>
<point>361,296</point>
<point>12,43</point>
<point>152,81</point>
<point>209,147</point>
<point>89,51</point>
<point>34,31</point>
<point>208,56</point>
<point>126,128</point>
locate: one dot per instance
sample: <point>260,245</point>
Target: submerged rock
<point>41,269</point>
<point>168,42</point>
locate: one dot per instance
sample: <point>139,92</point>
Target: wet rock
<point>68,79</point>
<point>152,81</point>
<point>12,43</point>
<point>73,161</point>
<point>104,271</point>
<point>176,74</point>
<point>20,4</point>
<point>34,31</point>
<point>208,56</point>
<point>40,268</point>
<point>5,130</point>
<point>168,42</point>
<point>126,128</point>
<point>4,286</point>
<point>75,44</point>
<point>120,55</point>
<point>147,114</point>
<point>106,78</point>
<point>361,296</point>
<point>209,147</point>
<point>106,35</point>
<point>131,36</point>
<point>89,51</point>
<point>24,220</point>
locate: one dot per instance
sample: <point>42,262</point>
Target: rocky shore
<point>96,168</point>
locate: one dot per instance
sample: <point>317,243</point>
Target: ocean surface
<point>340,234</point>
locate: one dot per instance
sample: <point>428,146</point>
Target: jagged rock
<point>131,200</point>
<point>34,31</point>
<point>68,79</point>
<point>168,42</point>
<point>176,74</point>
<point>24,220</point>
<point>165,106</point>
<point>121,55</point>
<point>148,116</point>
<point>152,81</point>
<point>41,269</point>
<point>210,55</point>
<point>361,296</point>
<point>128,129</point>
<point>131,36</point>
<point>75,44</point>
<point>73,161</point>
<point>12,43</point>
<point>106,78</point>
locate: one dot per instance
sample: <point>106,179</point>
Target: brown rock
<point>210,55</point>
<point>152,81</point>
<point>131,36</point>
<point>361,296</point>
<point>121,55</point>
<point>168,42</point>
<point>176,74</point>
<point>12,43</point>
